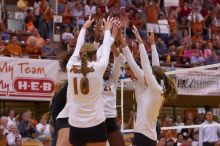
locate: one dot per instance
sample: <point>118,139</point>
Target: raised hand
<point>88,23</point>
<point>137,35</point>
<point>115,29</point>
<point>150,38</point>
<point>108,23</point>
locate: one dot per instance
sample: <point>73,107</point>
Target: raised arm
<point>154,54</point>
<point>119,60</point>
<point>138,72</point>
<point>80,41</point>
<point>107,42</point>
<point>148,73</point>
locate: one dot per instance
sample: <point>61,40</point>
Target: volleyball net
<point>195,81</point>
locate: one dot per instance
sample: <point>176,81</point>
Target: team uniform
<point>109,94</point>
<point>86,112</point>
<point>148,94</point>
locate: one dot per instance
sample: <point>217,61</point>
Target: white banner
<point>27,79</point>
<point>170,3</point>
<point>204,82</point>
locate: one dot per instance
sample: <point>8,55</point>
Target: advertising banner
<point>27,79</point>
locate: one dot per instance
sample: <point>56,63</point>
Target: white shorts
<point>153,26</point>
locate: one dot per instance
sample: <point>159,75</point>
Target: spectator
<point>13,47</point>
<point>179,139</point>
<point>162,141</point>
<point>208,50</point>
<point>78,15</point>
<point>115,9</point>
<point>47,50</point>
<point>172,21</point>
<point>26,127</point>
<point>12,135</point>
<point>186,38</point>
<point>67,17</point>
<point>18,141</point>
<point>90,8</point>
<point>208,136</point>
<point>36,12</point>
<point>188,132</point>
<point>184,13</point>
<point>169,134</point>
<point>43,128</point>
<point>162,49</point>
<point>67,36</point>
<point>195,140</point>
<point>179,122</point>
<point>3,140</point>
<point>29,20</point>
<point>174,39</point>
<point>11,118</point>
<point>31,116</point>
<point>35,44</point>
<point>197,26</point>
<point>152,12</point>
<point>188,52</point>
<point>47,23</point>
<point>195,13</point>
<point>197,58</point>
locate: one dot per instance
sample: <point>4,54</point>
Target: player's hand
<point>150,38</point>
<point>137,35</point>
<point>115,28</point>
<point>108,23</point>
<point>88,23</point>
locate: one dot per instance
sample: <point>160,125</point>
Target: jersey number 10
<point>84,85</point>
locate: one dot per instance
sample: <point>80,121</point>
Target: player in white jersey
<point>152,87</point>
<point>109,89</point>
<point>109,98</point>
<point>86,116</point>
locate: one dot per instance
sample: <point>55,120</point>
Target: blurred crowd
<point>17,128</point>
<point>187,34</point>
<point>23,127</point>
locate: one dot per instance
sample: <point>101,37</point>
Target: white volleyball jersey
<point>110,87</point>
<point>87,110</point>
<point>147,93</point>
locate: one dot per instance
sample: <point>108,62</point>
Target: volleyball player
<point>85,82</point>
<point>59,114</point>
<point>152,87</point>
<point>109,98</point>
<point>109,90</point>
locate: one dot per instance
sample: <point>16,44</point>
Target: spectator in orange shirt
<point>13,47</point>
<point>67,17</point>
<point>29,20</point>
<point>197,26</point>
<point>35,43</point>
<point>152,10</point>
<point>172,21</point>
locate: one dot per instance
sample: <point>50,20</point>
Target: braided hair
<point>85,54</point>
<point>170,90</point>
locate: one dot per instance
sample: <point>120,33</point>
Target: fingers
<point>135,30</point>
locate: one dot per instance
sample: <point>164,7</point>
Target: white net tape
<point>177,127</point>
